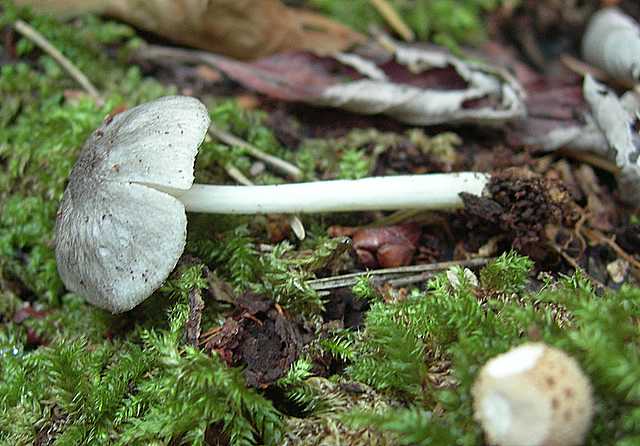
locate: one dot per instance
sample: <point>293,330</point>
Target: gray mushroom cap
<point>118,236</point>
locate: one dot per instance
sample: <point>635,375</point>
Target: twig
<point>590,158</point>
<point>571,261</point>
<point>393,19</point>
<point>598,236</point>
<point>388,274</point>
<point>293,220</point>
<point>583,68</point>
<point>275,162</point>
<point>30,33</point>
<point>238,176</point>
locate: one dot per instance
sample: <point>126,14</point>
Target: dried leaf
<point>243,29</point>
<point>415,86</point>
<point>619,126</point>
<point>260,338</point>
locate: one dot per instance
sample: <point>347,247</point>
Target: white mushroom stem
<point>431,191</point>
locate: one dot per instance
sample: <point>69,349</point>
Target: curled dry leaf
<point>612,43</point>
<point>618,119</point>
<point>244,29</point>
<point>417,86</point>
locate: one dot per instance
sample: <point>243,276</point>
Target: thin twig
<point>238,176</point>
<point>388,274</point>
<point>30,33</point>
<point>393,19</point>
<point>590,158</point>
<point>598,236</point>
<point>294,221</point>
<point>270,160</point>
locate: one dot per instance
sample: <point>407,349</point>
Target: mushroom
<point>121,225</point>
<point>533,395</point>
<point>612,43</point>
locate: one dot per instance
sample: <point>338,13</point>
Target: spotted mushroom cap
<point>118,235</point>
<point>533,395</point>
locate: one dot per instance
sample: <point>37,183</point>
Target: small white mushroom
<point>612,43</point>
<point>533,395</point>
<point>121,226</point>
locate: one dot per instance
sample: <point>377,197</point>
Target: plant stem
<point>30,33</point>
<point>270,160</point>
<point>433,191</point>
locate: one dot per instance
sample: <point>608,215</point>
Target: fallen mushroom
<point>533,395</point>
<point>121,225</point>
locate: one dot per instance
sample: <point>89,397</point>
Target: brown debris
<point>196,305</point>
<point>384,247</point>
<point>521,205</point>
<point>260,338</point>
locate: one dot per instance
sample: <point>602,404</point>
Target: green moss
<point>445,22</point>
<point>73,374</point>
<point>353,165</point>
<point>404,343</point>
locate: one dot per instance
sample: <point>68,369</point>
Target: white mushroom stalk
<point>434,191</point>
<point>121,226</point>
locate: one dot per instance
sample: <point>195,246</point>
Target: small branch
<point>393,19</point>
<point>270,160</point>
<point>396,276</point>
<point>590,158</point>
<point>30,33</point>
<point>238,176</point>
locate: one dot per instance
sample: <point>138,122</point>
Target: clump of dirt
<point>260,338</point>
<point>520,205</point>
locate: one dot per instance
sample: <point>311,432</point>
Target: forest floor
<point>370,329</point>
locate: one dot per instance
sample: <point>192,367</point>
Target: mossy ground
<point>72,374</point>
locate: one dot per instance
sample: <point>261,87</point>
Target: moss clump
<point>145,386</point>
<point>405,344</point>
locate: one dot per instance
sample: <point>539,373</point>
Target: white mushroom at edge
<point>533,395</point>
<point>121,225</point>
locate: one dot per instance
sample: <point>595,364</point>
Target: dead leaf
<point>260,338</point>
<point>243,29</point>
<point>618,119</point>
<point>414,85</point>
